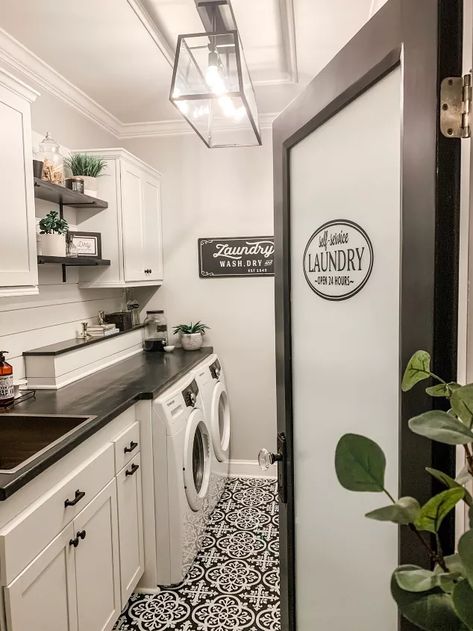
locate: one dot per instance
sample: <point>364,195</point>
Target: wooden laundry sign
<point>236,256</point>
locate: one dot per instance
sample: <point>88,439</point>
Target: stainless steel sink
<point>23,437</point>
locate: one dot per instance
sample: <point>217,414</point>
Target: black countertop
<point>104,395</point>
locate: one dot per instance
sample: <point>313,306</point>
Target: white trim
<point>25,61</point>
<point>179,127</point>
<point>9,292</point>
<point>18,87</point>
<point>250,469</point>
<point>154,30</point>
<point>288,32</point>
<point>20,58</point>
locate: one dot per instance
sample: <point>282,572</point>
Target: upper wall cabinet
<point>18,264</point>
<point>130,227</point>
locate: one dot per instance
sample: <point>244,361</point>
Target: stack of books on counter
<point>102,330</point>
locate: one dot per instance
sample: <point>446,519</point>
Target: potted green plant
<point>89,168</point>
<point>53,229</point>
<point>440,597</point>
<point>191,335</point>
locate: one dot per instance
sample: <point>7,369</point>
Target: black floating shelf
<point>60,195</point>
<point>68,261</point>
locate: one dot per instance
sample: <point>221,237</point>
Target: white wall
<point>218,193</point>
<point>56,313</point>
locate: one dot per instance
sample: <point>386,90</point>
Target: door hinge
<point>455,106</point>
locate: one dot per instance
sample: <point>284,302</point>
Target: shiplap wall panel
<point>56,313</point>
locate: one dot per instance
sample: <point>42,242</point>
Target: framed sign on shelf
<point>87,243</point>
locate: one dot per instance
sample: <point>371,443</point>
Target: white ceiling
<point>118,52</point>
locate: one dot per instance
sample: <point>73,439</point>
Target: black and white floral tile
<point>233,584</point>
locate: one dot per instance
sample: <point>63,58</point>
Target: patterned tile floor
<point>233,584</point>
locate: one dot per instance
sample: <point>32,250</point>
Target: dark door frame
<point>424,38</point>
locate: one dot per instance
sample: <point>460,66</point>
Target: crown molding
<point>21,59</point>
<point>17,86</point>
<point>154,30</point>
<point>288,31</point>
<point>178,127</point>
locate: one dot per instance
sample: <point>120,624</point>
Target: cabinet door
<point>130,522</point>
<point>18,271</point>
<point>133,224</point>
<point>97,562</point>
<point>43,596</point>
<point>152,236</point>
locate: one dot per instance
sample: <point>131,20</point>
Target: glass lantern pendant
<point>212,88</point>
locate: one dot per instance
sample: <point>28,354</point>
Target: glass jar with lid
<point>53,162</point>
<point>156,331</point>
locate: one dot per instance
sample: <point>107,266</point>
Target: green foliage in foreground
<point>439,598</point>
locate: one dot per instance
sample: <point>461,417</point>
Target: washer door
<point>196,460</point>
<point>220,422</point>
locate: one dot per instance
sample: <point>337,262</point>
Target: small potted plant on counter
<point>88,168</point>
<point>192,335</point>
<point>53,229</point>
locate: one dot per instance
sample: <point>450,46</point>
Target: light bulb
<point>213,74</point>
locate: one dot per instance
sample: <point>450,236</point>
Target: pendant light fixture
<point>211,85</point>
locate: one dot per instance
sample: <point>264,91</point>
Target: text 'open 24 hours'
<point>338,260</point>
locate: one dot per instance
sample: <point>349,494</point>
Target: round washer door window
<point>196,460</point>
<point>220,422</point>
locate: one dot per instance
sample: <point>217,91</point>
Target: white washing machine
<point>182,455</point>
<point>212,388</point>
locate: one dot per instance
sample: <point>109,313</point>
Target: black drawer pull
<point>133,469</point>
<point>81,534</point>
<point>74,542</point>
<point>130,448</point>
<point>77,498</point>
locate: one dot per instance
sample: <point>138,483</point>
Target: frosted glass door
<point>345,356</point>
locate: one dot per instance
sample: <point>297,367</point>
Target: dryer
<point>213,390</point>
<point>182,454</point>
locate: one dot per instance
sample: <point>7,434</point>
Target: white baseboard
<point>250,469</point>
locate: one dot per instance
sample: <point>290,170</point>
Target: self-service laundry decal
<point>338,260</point>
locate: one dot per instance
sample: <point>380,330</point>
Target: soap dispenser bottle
<point>6,382</point>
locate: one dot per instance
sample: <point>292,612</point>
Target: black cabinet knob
<point>132,470</point>
<point>130,448</point>
<point>74,542</point>
<point>77,498</point>
<point>81,534</point>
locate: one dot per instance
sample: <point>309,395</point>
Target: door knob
<point>266,459</point>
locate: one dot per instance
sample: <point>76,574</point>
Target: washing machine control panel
<point>190,394</point>
<point>215,369</point>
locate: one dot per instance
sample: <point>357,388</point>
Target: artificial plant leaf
<point>404,511</point>
<point>465,551</point>
<point>430,611</point>
<point>470,516</point>
<point>462,404</point>
<point>416,579</point>
<point>437,508</point>
<point>360,464</point>
<point>449,483</point>
<point>417,369</point>
<point>442,427</point>
<point>464,476</point>
<point>462,598</point>
<point>448,581</point>
<point>454,564</point>
<point>443,389</point>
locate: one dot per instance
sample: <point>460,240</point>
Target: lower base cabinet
<point>130,527</point>
<point>43,596</point>
<point>74,584</point>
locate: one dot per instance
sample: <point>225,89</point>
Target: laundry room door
<point>366,223</point>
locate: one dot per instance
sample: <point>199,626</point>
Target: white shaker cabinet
<point>131,225</point>
<point>43,596</point>
<point>130,522</point>
<point>97,563</point>
<point>18,262</point>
